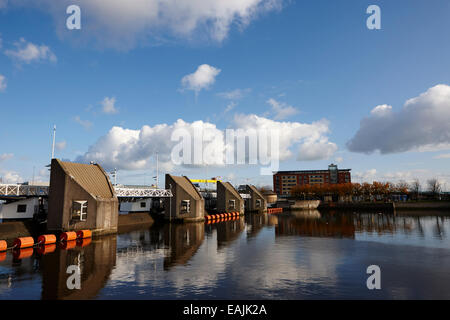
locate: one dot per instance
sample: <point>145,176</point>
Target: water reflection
<point>294,255</point>
<point>95,260</point>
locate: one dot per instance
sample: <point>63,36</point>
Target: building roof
<point>187,185</point>
<point>91,177</point>
<point>309,171</point>
<point>230,189</point>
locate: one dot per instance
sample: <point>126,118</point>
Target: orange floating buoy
<point>2,256</point>
<point>66,245</point>
<point>68,236</point>
<point>44,249</point>
<point>3,245</point>
<point>46,239</point>
<point>19,254</point>
<point>82,234</point>
<point>84,242</point>
<point>24,242</point>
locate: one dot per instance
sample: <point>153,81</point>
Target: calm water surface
<point>308,255</point>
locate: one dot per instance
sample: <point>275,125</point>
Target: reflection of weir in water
<point>95,261</point>
<point>183,241</point>
<point>229,231</point>
<point>255,223</point>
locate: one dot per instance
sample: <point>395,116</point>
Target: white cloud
<point>6,156</point>
<point>2,83</point>
<point>310,139</point>
<point>135,149</point>
<point>382,110</point>
<point>27,52</point>
<point>423,175</point>
<point>108,105</point>
<point>123,24</point>
<point>10,177</point>
<point>442,156</point>
<point>236,94</point>
<point>84,123</point>
<point>201,79</point>
<point>366,176</point>
<point>61,145</point>
<point>339,159</point>
<point>230,106</point>
<point>281,110</point>
<point>421,125</point>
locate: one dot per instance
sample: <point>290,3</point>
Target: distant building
<point>283,181</point>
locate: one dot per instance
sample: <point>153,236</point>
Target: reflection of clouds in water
<point>286,265</point>
<point>146,268</point>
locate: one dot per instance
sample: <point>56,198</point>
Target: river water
<point>303,255</point>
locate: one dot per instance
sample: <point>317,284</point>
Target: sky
<point>376,101</point>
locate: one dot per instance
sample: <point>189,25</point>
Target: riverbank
<point>386,206</point>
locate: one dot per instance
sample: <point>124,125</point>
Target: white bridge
<point>21,190</point>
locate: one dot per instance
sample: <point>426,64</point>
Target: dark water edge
<point>298,255</point>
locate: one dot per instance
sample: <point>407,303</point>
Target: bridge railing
<point>142,192</point>
<point>19,190</point>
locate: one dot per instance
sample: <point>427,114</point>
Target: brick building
<point>283,181</point>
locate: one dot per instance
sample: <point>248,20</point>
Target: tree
<point>415,188</point>
<point>434,187</point>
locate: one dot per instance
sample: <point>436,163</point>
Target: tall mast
<point>157,170</point>
<point>53,145</point>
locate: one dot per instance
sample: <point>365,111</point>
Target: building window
<point>79,210</point>
<point>231,204</point>
<point>258,203</point>
<point>22,208</point>
<point>143,204</point>
<point>185,206</point>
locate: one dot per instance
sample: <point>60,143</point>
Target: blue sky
<point>317,58</point>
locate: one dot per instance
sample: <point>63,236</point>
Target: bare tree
<point>434,187</point>
<point>415,188</point>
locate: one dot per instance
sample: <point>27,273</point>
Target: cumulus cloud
<point>135,149</point>
<point>281,110</point>
<point>201,79</point>
<point>421,125</point>
<point>365,176</point>
<point>122,24</point>
<point>6,156</point>
<point>10,177</point>
<point>108,105</point>
<point>2,83</point>
<point>27,52</point>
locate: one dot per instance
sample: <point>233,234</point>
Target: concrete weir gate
<point>81,197</point>
<point>186,204</point>
<point>228,199</point>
